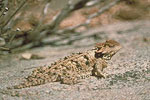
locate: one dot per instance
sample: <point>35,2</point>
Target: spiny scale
<point>72,69</point>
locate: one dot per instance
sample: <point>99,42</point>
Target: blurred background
<point>26,24</point>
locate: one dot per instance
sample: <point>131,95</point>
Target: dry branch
<point>36,36</point>
<point>53,26</point>
<point>90,17</point>
<point>15,12</point>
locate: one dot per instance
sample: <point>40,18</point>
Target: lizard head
<point>107,49</point>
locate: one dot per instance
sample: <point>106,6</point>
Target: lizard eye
<point>99,55</point>
<point>98,48</point>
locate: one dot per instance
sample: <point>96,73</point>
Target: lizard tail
<point>36,80</point>
<point>24,85</point>
<point>28,83</point>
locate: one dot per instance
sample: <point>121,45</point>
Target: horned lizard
<point>72,69</point>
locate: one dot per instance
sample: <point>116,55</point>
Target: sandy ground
<point>128,73</point>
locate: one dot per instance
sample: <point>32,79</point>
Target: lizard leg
<point>98,68</point>
<point>99,74</point>
<point>69,79</point>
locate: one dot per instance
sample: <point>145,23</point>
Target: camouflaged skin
<point>72,69</point>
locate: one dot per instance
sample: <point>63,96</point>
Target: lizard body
<point>72,69</point>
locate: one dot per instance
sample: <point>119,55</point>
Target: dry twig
<point>36,36</point>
